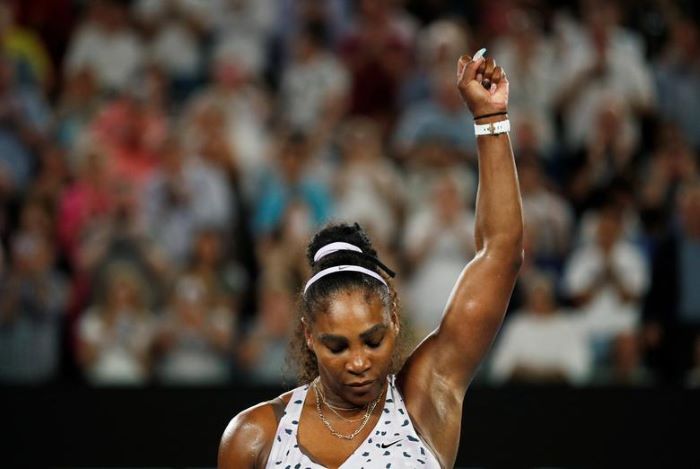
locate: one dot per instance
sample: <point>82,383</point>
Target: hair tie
<point>334,247</point>
<point>342,246</point>
<point>343,268</point>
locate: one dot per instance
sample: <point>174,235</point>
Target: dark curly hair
<point>316,299</point>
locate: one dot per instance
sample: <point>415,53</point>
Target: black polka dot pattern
<point>393,442</point>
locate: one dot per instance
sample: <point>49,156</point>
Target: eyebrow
<point>341,340</point>
<point>372,331</point>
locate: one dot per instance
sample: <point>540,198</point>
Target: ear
<point>395,322</point>
<point>307,334</point>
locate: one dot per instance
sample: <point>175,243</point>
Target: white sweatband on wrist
<point>492,128</point>
<point>343,268</point>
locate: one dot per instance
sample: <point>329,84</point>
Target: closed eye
<point>335,349</point>
<point>374,343</point>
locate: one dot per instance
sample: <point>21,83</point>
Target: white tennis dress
<point>393,442</point>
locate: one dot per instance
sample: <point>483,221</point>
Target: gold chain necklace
<point>333,408</point>
<point>365,419</point>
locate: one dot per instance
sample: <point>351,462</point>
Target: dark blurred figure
<point>25,47</point>
<point>672,307</point>
<point>377,50</point>
<point>32,303</point>
<point>677,73</point>
<point>263,350</point>
<point>24,118</point>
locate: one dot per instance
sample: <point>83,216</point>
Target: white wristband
<point>493,128</point>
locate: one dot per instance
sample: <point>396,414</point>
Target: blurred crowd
<point>163,164</point>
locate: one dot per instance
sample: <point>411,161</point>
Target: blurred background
<point>163,164</point>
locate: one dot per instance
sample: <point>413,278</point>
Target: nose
<point>358,363</point>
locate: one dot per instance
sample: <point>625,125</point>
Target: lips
<point>361,385</point>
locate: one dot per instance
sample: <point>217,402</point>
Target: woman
<point>353,412</point>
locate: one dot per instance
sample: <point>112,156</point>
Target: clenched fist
<point>483,85</point>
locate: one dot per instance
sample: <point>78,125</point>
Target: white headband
<point>334,247</point>
<point>343,268</point>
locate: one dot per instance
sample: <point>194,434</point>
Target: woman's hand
<point>483,85</point>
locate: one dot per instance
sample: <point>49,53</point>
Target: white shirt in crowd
<point>307,86</point>
<point>114,58</point>
<point>120,347</point>
<point>558,341</point>
<point>606,313</point>
<point>432,281</point>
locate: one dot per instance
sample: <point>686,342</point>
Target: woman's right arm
<point>247,440</point>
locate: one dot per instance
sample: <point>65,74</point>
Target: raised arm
<point>436,376</point>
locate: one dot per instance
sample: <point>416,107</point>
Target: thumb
<point>471,68</point>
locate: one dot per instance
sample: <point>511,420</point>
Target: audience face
<point>124,289</point>
<point>32,255</point>
<point>207,248</point>
<point>540,298</point>
<point>448,200</point>
<point>360,141</point>
<point>292,159</point>
<point>609,229</point>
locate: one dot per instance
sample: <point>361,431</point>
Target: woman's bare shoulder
<point>247,439</point>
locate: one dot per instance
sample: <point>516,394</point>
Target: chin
<point>364,395</point>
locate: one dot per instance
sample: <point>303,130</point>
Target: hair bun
<point>340,232</point>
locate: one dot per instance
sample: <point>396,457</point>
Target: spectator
<point>131,131</point>
<point>548,216</point>
<point>626,366</point>
<point>183,196</point>
<point>116,332</point>
<point>194,343</point>
<point>542,344</point>
<point>529,56</point>
<point>245,107</point>
<point>606,279</point>
<point>290,183</point>
<point>672,163</point>
<point>106,45</point>
<point>33,297</point>
<point>262,353</point>
<point>119,236</point>
<point>223,279</point>
<point>439,240</point>
<point>173,42</point>
<point>438,44</point>
<point>26,50</point>
<point>677,73</point>
<point>440,119</point>
<point>314,85</point>
<point>84,201</point>
<point>76,108</point>
<point>369,189</point>
<point>24,119</point>
<point>601,61</point>
<point>376,49</point>
<point>604,159</point>
<point>672,307</point>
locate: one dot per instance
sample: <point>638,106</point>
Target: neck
<point>339,404</point>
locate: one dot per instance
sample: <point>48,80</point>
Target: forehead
<point>350,313</point>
